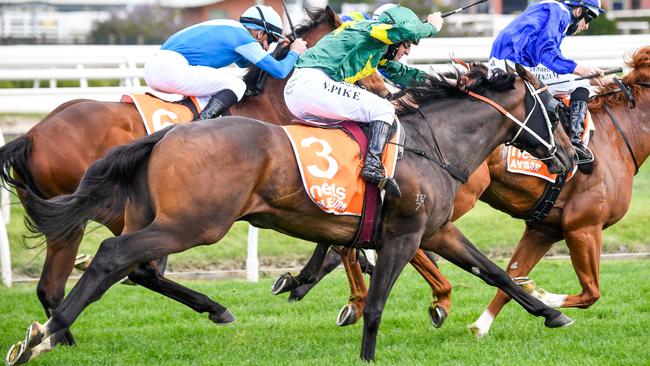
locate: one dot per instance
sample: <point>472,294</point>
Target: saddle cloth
<point>330,162</point>
<point>157,113</point>
<point>521,162</point>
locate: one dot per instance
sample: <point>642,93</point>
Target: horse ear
<point>311,14</point>
<point>332,17</point>
<point>523,73</point>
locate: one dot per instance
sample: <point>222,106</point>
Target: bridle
<point>550,146</point>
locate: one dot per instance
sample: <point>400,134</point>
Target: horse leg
<point>391,260</point>
<point>352,311</point>
<point>532,246</point>
<point>440,286</point>
<point>148,275</point>
<point>59,261</point>
<point>331,261</point>
<point>585,245</point>
<point>455,247</point>
<point>308,275</point>
<point>116,258</point>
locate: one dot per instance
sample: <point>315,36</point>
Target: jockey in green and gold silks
<point>321,90</point>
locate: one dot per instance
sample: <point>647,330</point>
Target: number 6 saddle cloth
<point>157,113</point>
<point>330,162</point>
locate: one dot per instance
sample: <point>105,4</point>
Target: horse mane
<point>639,62</point>
<point>451,85</point>
<point>316,17</point>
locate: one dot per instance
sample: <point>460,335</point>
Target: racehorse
<point>587,205</point>
<point>90,128</point>
<point>165,214</point>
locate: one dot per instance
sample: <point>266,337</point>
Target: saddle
<point>330,162</point>
<point>157,113</point>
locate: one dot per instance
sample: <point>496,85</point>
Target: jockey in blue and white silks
<point>533,40</point>
<point>193,61</point>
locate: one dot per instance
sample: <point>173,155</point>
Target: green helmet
<point>400,15</point>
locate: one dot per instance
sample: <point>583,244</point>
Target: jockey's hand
<point>590,71</point>
<point>436,20</point>
<point>299,46</point>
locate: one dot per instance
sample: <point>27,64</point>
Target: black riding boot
<point>578,114</point>
<point>373,170</point>
<point>219,103</point>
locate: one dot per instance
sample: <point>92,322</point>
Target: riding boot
<point>578,114</point>
<point>219,103</point>
<point>373,171</point>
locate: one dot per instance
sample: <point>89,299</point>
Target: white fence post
<point>5,255</point>
<point>252,263</point>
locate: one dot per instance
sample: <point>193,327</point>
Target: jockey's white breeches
<point>545,75</point>
<point>169,72</point>
<point>313,96</point>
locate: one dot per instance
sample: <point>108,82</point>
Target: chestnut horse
<point>577,216</point>
<point>269,193</point>
<point>53,155</point>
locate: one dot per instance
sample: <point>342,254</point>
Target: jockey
<point>321,90</point>
<point>380,10</point>
<point>193,61</point>
<point>533,40</point>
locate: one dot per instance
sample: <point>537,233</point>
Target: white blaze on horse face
<point>332,164</point>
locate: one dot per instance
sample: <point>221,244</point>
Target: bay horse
<point>52,157</point>
<point>243,169</point>
<point>587,205</point>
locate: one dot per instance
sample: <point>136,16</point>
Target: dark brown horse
<point>588,204</point>
<point>268,193</point>
<point>53,156</point>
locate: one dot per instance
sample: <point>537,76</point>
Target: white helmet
<point>263,17</point>
<point>381,9</point>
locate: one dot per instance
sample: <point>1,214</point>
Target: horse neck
<point>634,123</point>
<point>467,131</point>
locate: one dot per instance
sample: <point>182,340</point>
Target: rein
<point>551,147</point>
<point>627,143</point>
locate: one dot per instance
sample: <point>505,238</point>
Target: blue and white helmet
<point>592,8</point>
<point>263,17</point>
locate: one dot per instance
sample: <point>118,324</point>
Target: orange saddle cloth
<point>157,113</point>
<point>330,162</point>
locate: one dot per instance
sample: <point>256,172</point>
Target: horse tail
<point>102,192</point>
<point>15,155</point>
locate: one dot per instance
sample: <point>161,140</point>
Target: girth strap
<point>544,205</point>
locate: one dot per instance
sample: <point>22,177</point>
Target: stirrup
<point>390,185</point>
<point>586,151</point>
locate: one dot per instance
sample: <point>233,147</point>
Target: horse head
<point>543,140</point>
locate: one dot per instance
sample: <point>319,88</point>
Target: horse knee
<point>371,317</point>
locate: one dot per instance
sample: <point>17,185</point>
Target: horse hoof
<point>35,335</point>
<point>347,316</point>
<point>224,318</point>
<point>476,331</point>
<point>558,322</point>
<point>284,283</point>
<point>127,282</point>
<point>437,314</point>
<point>18,354</point>
<point>82,262</point>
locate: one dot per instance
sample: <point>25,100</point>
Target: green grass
<point>492,231</point>
<point>132,326</point>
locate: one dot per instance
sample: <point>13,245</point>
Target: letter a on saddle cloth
<point>157,113</point>
<point>330,162</point>
<point>521,162</point>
